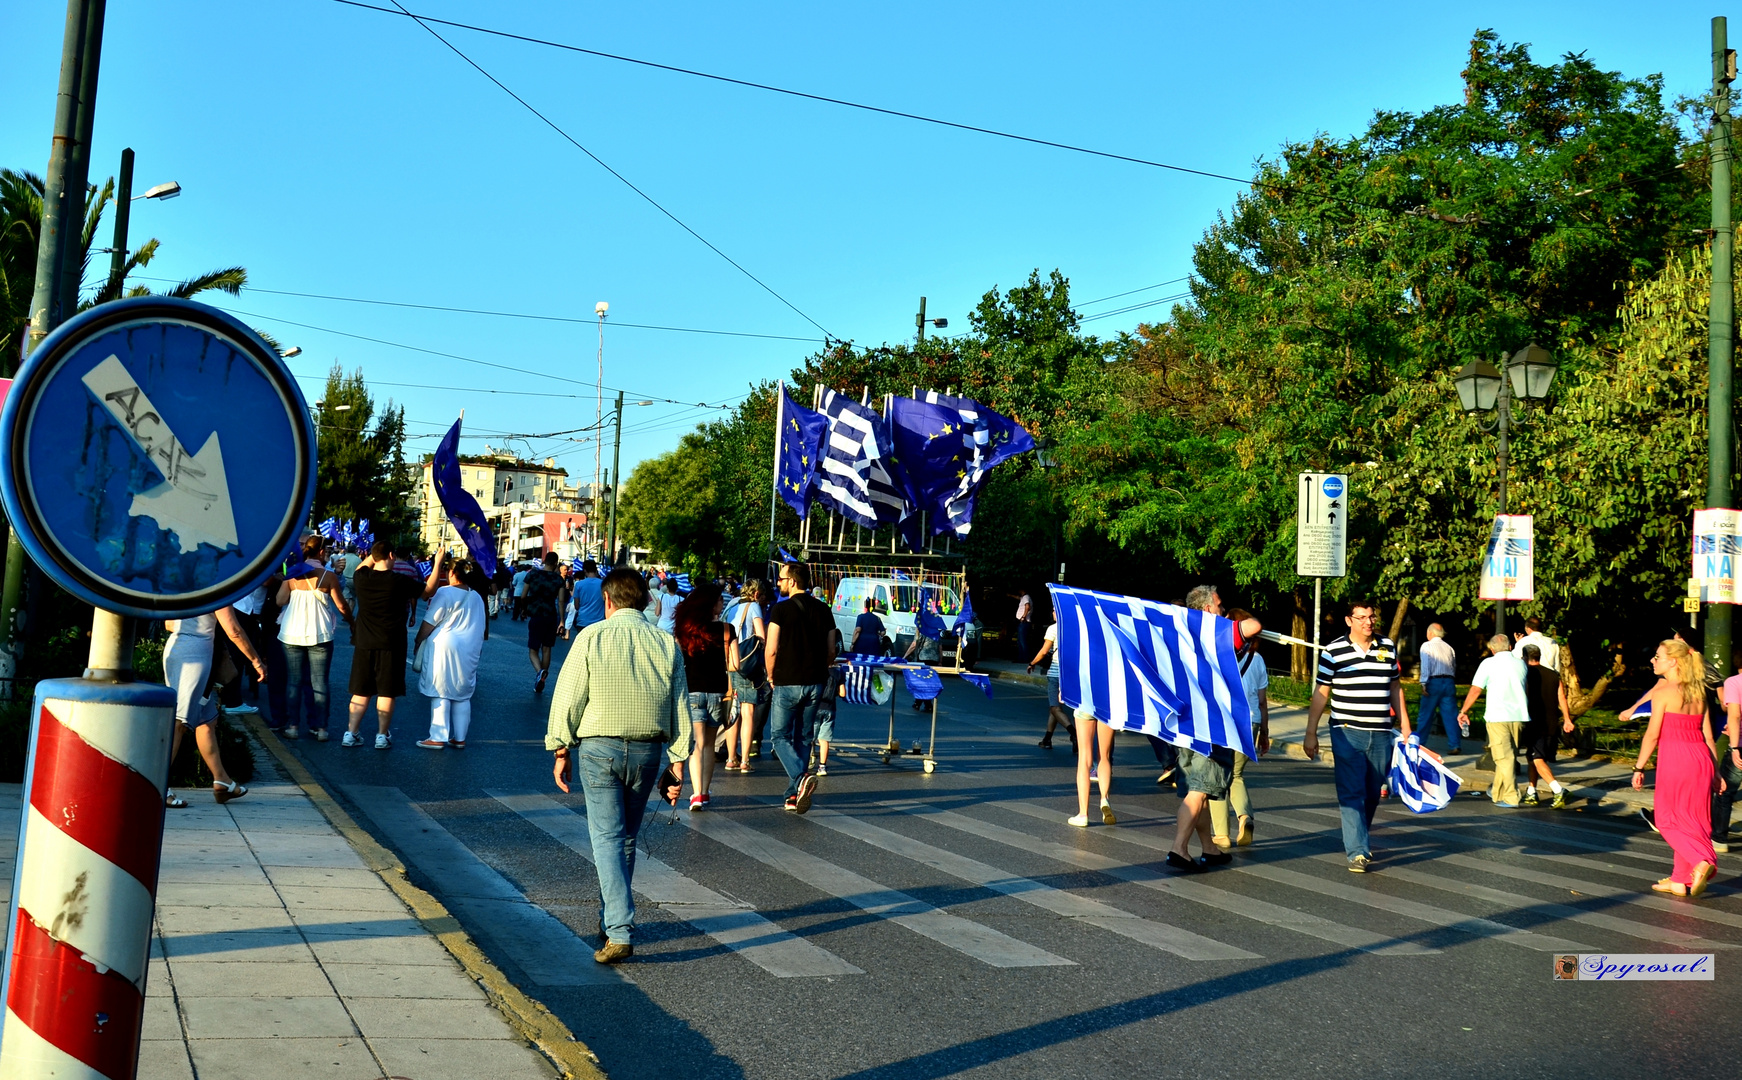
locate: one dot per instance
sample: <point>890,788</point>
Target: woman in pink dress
<point>1681,733</point>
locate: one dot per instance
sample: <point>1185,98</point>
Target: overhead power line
<point>1132,292</point>
<point>554,126</point>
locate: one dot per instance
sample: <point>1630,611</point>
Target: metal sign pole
<point>1318,592</point>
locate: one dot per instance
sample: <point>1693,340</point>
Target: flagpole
<point>774,476</point>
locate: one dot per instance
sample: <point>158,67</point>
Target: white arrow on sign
<point>193,502</point>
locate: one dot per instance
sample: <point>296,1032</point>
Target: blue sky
<point>341,151</point>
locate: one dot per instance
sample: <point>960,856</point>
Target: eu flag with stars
<point>800,446</point>
<point>463,510</point>
<point>944,446</point>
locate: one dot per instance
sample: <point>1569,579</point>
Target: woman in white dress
<point>666,602</point>
<point>187,667</point>
<point>454,626</point>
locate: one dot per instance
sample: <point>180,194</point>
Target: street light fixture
<point>161,191</point>
<point>1481,388</point>
<point>294,350</point>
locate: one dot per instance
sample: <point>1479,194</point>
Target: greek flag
<point>1421,782</point>
<point>1166,671</point>
<point>858,684</point>
<point>683,583</point>
<point>853,476</point>
<point>867,660</point>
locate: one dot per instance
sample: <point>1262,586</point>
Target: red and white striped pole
<point>86,878</point>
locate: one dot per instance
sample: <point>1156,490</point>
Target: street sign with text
<point>1718,555</point>
<point>1322,525</point>
<point>158,458</point>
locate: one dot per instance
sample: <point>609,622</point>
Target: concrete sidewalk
<point>279,952</point>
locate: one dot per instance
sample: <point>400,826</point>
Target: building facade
<point>517,497</point>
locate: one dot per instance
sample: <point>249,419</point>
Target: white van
<point>897,602</point>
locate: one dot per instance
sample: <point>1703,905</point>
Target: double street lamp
<point>1483,388</point>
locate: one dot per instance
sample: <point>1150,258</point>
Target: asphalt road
<point>918,926</point>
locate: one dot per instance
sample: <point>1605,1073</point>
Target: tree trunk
<point>1397,618</point>
<point>1580,700</point>
<point>1299,666</point>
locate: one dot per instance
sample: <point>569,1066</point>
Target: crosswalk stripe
<point>1409,909</point>
<point>970,938</point>
<point>1701,912</point>
<point>1634,872</point>
<point>734,925</point>
<point>1195,891</point>
<point>548,951</point>
<point>1157,935</point>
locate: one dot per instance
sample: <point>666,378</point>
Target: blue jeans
<point>1439,697</point>
<point>1362,762</point>
<point>305,669</point>
<point>617,776</point>
<point>792,728</point>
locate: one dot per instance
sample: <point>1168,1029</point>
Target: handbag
<point>752,663</point>
<point>420,656</point>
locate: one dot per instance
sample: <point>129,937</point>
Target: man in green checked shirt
<point>621,706</point>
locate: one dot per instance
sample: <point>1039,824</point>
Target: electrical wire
<point>601,163</point>
<point>504,314</point>
<point>466,359</point>
<point>1134,307</point>
<point>1132,292</point>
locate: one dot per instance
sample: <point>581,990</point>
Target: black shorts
<point>377,673</point>
<point>541,632</point>
<point>1541,738</point>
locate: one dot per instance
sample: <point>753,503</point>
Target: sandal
<point>1674,888</point>
<point>225,792</point>
<point>1701,878</point>
<point>731,766</point>
<point>457,744</point>
<point>174,801</point>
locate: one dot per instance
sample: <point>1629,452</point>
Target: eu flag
<point>944,446</point>
<point>463,510</point>
<point>798,446</point>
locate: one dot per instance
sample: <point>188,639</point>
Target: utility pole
<point>123,211</point>
<point>616,458</point>
<point>1503,422</point>
<point>62,225</point>
<point>919,320</point>
<point>72,265</point>
<point>1719,350</point>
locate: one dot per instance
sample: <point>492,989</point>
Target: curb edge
<point>525,1015</point>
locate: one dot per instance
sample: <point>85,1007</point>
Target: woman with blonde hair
<point>747,672</point>
<point>1681,733</point>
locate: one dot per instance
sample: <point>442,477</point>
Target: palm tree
<point>20,232</point>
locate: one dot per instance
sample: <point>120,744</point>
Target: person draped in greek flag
<point>1359,682</point>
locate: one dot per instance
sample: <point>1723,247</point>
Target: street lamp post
<point>124,200</point>
<point>1482,388</point>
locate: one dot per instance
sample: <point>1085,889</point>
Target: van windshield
<point>909,598</point>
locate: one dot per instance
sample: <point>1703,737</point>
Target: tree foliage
<point>361,470</point>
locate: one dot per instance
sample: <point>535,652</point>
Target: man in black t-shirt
<point>378,662</point>
<point>802,641</point>
<point>542,601</point>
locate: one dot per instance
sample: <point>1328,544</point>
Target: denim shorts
<point>1210,774</point>
<point>708,709</point>
<point>1052,690</point>
<point>748,692</point>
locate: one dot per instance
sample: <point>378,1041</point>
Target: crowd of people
<point>662,680</point>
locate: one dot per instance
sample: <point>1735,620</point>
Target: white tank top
<point>309,618</point>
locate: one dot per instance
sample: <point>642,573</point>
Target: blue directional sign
<point>1333,487</point>
<point>158,458</point>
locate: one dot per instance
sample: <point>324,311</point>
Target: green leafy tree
<point>361,470</point>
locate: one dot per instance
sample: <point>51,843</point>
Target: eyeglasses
<point>1363,618</point>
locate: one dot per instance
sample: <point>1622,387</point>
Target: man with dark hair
<point>621,707</point>
<point>802,641</point>
<point>586,601</point>
<point>1359,680</point>
<point>1545,699</point>
<point>378,662</point>
<point>542,596</point>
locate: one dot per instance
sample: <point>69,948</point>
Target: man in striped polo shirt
<point>1358,679</point>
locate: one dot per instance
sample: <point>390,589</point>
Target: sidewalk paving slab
<point>278,952</point>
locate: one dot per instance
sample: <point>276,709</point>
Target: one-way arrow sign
<point>193,502</point>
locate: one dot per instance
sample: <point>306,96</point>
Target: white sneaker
<point>321,734</point>
<point>288,731</point>
<point>350,739</point>
<point>822,770</point>
<point>383,742</point>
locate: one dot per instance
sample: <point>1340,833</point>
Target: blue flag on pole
<point>1166,671</point>
<point>964,617</point>
<point>984,682</point>
<point>927,623</point>
<point>799,446</point>
<point>923,683</point>
<point>463,510</point>
<point>944,446</point>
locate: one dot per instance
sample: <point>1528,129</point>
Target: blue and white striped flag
<point>683,583</point>
<point>1163,670</point>
<point>1419,780</point>
<point>864,659</point>
<point>859,684</point>
<point>853,476</point>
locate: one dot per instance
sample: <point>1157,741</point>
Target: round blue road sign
<point>1333,487</point>
<point>158,457</point>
